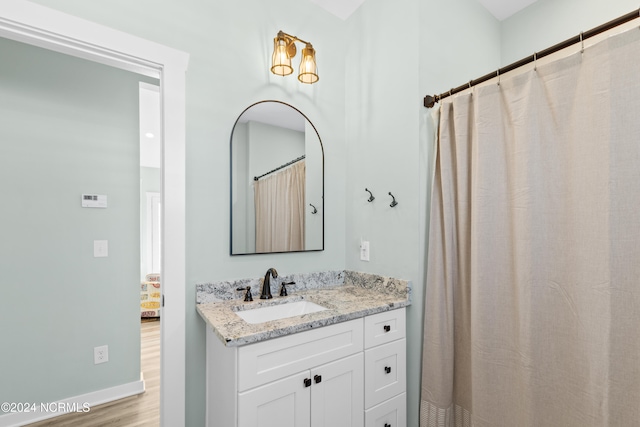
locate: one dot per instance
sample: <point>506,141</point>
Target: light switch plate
<point>100,248</point>
<point>364,250</point>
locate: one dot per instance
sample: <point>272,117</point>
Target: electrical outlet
<point>100,354</point>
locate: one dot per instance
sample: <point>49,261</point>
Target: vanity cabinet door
<point>337,396</point>
<point>282,403</point>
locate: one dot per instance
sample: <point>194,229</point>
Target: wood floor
<point>136,411</point>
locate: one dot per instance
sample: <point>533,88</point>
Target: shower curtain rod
<point>255,178</point>
<point>430,100</point>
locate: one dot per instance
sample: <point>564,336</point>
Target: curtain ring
<point>498,75</point>
<point>581,42</point>
<point>535,61</point>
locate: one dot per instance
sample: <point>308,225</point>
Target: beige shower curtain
<point>280,210</point>
<point>532,305</point>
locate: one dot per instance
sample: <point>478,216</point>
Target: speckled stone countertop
<point>346,295</point>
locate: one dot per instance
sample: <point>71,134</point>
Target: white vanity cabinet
<point>324,377</point>
<point>329,395</point>
<point>385,369</point>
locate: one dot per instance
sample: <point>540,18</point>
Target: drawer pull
<point>387,369</point>
<point>387,328</point>
<point>387,425</point>
<point>307,382</point>
<point>318,378</point>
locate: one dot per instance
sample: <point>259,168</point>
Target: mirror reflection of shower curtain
<point>280,210</point>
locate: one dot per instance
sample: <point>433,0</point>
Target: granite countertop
<point>347,295</point>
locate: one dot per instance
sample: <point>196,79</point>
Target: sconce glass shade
<point>308,67</point>
<point>280,61</point>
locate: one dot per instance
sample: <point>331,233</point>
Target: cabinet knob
<point>318,378</point>
<point>387,369</point>
<point>387,425</point>
<point>307,382</point>
<point>387,328</point>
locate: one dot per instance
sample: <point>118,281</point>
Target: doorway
<point>38,25</point>
<point>150,247</point>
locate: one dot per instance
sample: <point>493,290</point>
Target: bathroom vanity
<point>341,366</point>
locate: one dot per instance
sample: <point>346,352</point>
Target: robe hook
<point>371,198</point>
<point>393,203</point>
<point>314,211</point>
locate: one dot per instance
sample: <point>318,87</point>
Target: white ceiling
<point>501,9</point>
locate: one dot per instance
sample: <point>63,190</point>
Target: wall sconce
<point>284,48</point>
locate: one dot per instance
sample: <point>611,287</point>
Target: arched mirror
<point>277,181</point>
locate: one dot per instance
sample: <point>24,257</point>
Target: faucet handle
<point>247,296</point>
<point>283,288</point>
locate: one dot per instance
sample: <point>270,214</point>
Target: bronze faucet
<point>266,284</point>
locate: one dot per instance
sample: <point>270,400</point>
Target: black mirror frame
<point>231,182</point>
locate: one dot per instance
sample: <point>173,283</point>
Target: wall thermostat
<point>94,201</point>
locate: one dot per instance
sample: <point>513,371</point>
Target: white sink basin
<point>281,311</point>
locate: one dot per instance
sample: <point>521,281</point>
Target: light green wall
<point>374,70</point>
<point>313,189</point>
<point>244,224</point>
<point>272,146</point>
<point>548,22</point>
<point>230,47</point>
<point>67,127</point>
<point>397,54</point>
<point>381,103</point>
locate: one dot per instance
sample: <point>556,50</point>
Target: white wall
<point>150,182</point>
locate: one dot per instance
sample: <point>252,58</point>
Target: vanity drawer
<point>385,372</point>
<point>384,327</point>
<point>270,360</point>
<point>391,413</point>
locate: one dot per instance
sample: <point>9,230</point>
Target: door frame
<point>44,27</point>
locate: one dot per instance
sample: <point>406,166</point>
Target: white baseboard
<point>72,404</point>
